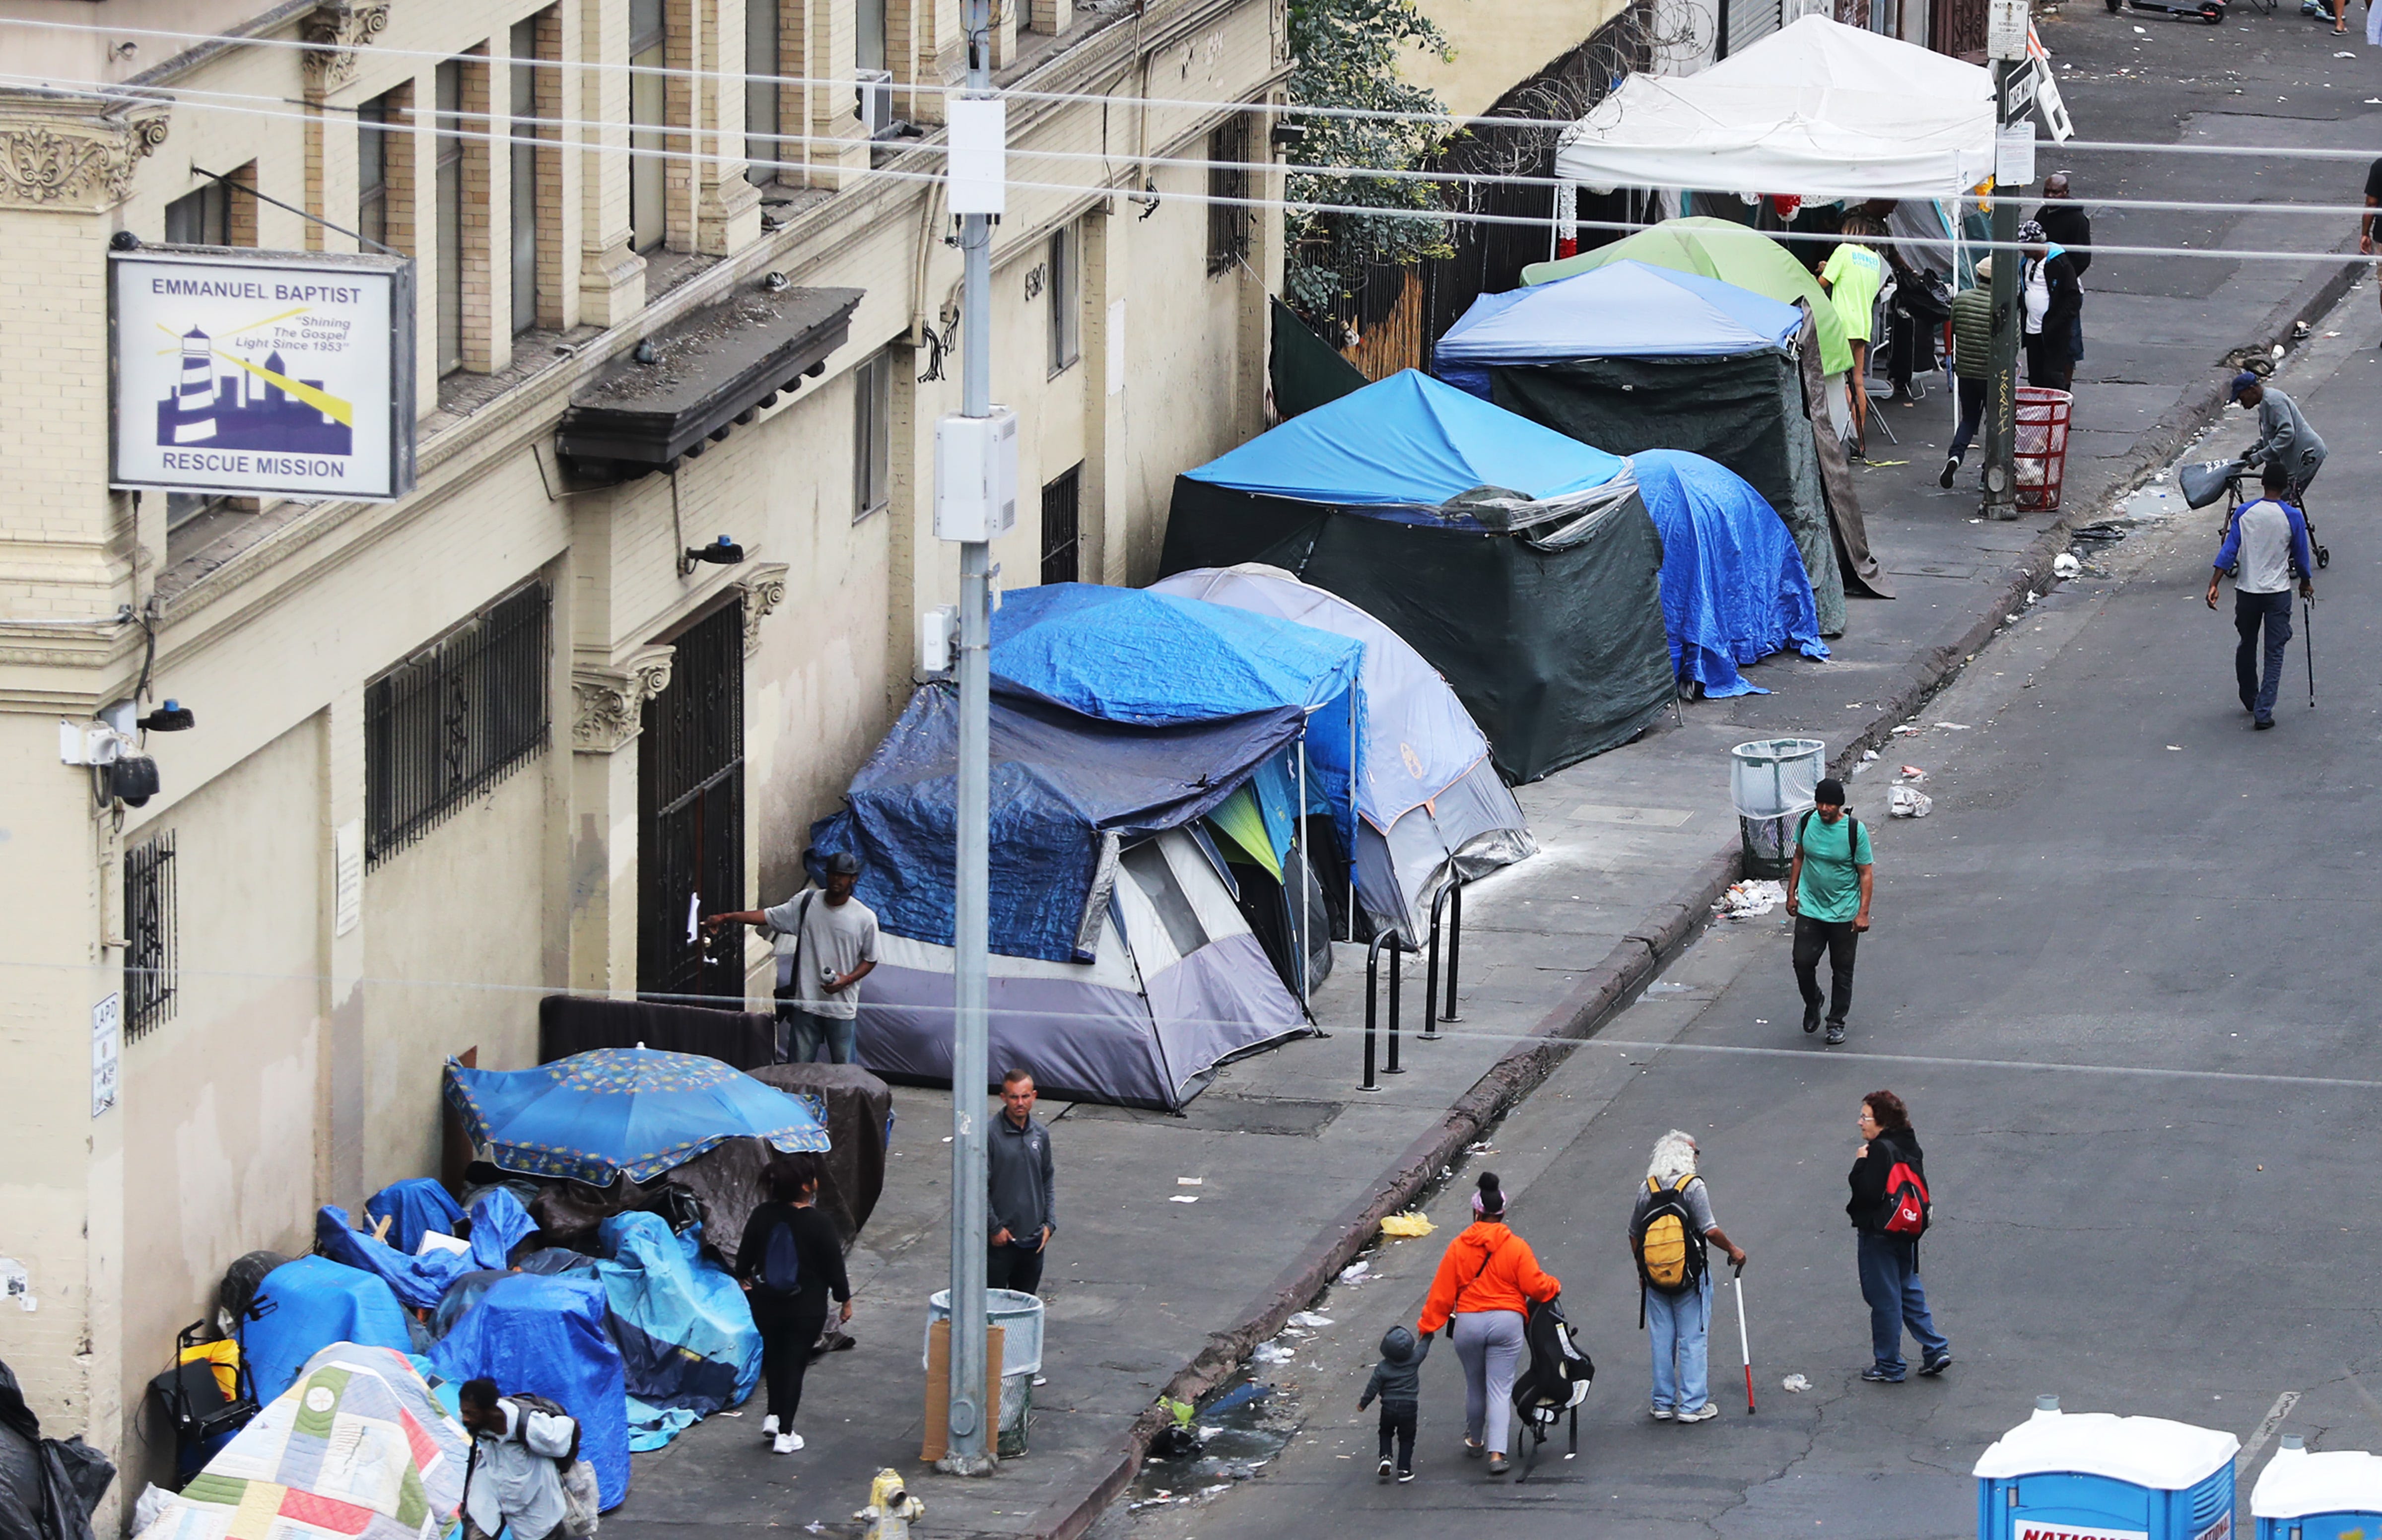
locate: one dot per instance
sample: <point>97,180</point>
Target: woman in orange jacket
<point>1487,1278</point>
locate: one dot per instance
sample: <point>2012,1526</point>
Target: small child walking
<point>1397,1380</point>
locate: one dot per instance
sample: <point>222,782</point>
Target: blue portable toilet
<point>2334,1496</point>
<point>2097,1476</point>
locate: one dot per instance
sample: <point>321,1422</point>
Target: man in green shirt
<point>1827,892</point>
<point>1853,275</point>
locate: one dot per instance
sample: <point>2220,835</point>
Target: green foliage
<point>1181,1411</point>
<point>1345,53</point>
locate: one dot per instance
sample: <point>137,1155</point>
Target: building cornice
<point>338,29</point>
<point>73,155</point>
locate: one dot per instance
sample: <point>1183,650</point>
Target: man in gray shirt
<point>827,944</point>
<point>1023,1189</point>
<point>2284,437</point>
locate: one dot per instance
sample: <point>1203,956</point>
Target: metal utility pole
<point>974,502</point>
<point>2006,41</point>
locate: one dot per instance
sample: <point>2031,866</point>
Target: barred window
<point>454,720</point>
<point>1062,526</point>
<point>149,939</point>
<point>1228,223</point>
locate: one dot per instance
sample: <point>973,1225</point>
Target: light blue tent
<point>685,1332</point>
<point>1629,310</point>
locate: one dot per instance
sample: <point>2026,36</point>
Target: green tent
<point>1731,252</point>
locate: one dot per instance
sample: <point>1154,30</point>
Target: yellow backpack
<point>1670,1252</point>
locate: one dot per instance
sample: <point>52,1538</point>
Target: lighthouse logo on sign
<point>225,400</point>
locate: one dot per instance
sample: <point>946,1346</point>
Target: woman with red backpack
<point>1890,1211</point>
<point>1488,1278</point>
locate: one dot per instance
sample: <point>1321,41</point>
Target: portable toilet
<point>2095,1476</point>
<point>2335,1496</point>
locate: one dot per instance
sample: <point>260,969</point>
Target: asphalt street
<point>2118,975</point>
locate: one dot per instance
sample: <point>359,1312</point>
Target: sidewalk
<point>1294,1164</point>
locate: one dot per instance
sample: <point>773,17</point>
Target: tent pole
<point>1305,875</point>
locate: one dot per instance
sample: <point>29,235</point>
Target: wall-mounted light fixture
<point>722,552</point>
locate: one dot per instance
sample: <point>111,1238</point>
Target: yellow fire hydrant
<point>890,1507</point>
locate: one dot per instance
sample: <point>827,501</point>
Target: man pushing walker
<point>2284,437</point>
<point>2265,547</point>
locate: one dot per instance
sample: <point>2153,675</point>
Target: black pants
<point>1973,394</point>
<point>2049,364</point>
<point>1014,1267</point>
<point>1835,937</point>
<point>789,1325</point>
<point>2252,612</point>
<point>1398,1422</point>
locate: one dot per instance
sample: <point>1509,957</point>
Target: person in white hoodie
<point>2265,547</point>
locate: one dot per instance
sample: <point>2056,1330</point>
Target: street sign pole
<point>2006,41</point>
<point>972,1446</point>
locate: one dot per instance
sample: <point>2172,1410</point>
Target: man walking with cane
<point>2265,547</point>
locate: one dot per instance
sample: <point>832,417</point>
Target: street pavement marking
<point>1659,817</point>
<point>2273,1420</point>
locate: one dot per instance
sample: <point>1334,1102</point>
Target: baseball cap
<point>843,863</point>
<point>2241,382</point>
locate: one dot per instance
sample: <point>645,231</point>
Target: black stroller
<point>2203,483</point>
<point>1554,1382</point>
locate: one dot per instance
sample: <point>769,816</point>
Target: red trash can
<point>2041,453</point>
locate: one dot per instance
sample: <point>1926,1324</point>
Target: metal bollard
<point>1372,1003</point>
<point>1432,1013</point>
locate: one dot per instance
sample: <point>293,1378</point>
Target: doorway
<point>690,813</point>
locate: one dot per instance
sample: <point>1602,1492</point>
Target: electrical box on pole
<point>975,476</point>
<point>978,167</point>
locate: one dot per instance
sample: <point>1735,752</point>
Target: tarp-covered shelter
<point>1177,982</point>
<point>1733,585</point>
<point>304,1305</point>
<point>1518,562</point>
<point>1427,798</point>
<point>1630,355</point>
<point>547,1335</point>
<point>1803,475</point>
<point>1818,109</point>
<point>685,1333</point>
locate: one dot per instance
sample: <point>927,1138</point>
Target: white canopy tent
<point>1817,109</point>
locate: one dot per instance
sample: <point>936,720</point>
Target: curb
<point>1633,962</point>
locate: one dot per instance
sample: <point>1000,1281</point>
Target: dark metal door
<point>690,813</point>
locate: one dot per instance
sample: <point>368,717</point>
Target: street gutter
<point>1641,955</point>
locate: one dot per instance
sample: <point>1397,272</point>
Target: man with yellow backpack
<point>1668,1231</point>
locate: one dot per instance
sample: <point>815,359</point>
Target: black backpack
<point>1852,830</point>
<point>780,1272</point>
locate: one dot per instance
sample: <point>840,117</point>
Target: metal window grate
<point>149,935</point>
<point>1228,223</point>
<point>691,812</point>
<point>454,720</point>
<point>1061,524</point>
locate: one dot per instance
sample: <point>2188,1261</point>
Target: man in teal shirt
<point>1827,892</point>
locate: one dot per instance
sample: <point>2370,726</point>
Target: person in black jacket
<point>2065,222</point>
<point>791,1319</point>
<point>1397,1379</point>
<point>1889,1262</point>
<point>2054,304</point>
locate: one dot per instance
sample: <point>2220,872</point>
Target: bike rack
<point>1372,1003</point>
<point>1431,1014</point>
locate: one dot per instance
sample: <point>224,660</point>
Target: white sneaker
<point>770,1426</point>
<point>787,1443</point>
<point>1660,1413</point>
<point>1703,1413</point>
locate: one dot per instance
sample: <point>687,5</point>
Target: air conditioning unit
<point>876,100</point>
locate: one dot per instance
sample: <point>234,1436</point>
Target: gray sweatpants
<point>1488,1343</point>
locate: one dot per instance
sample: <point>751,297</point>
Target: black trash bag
<point>48,1487</point>
<point>2203,483</point>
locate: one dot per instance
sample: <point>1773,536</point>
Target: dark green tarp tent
<point>1519,563</point>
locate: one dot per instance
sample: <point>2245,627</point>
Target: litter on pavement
<point>1910,803</point>
<point>1356,1272</point>
<point>1310,1320</point>
<point>1910,773</point>
<point>1746,900</point>
<point>1795,1383</point>
<point>1408,1224</point>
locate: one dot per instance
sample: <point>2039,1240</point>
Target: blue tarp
<point>546,1336</point>
<point>306,1305</point>
<point>1059,778</point>
<point>418,1204</point>
<point>1145,659</point>
<point>417,1281</point>
<point>1628,309</point>
<point>498,1224</point>
<point>1408,441</point>
<point>595,1116</point>
<point>1734,587</point>
<point>685,1333</point>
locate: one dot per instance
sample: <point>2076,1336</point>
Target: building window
<point>447,183</point>
<point>524,72</point>
<point>1228,223</point>
<point>648,108</point>
<point>149,940</point>
<point>1061,524</point>
<point>762,123</point>
<point>454,720</point>
<point>202,218</point>
<point>372,169</point>
<point>1066,297</point>
<point>872,436</point>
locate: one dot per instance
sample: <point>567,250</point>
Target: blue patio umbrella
<point>595,1115</point>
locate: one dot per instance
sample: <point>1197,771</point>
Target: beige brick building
<point>485,741</point>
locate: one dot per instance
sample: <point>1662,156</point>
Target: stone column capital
<point>74,153</point>
<point>764,583</point>
<point>335,29</point>
<point>610,698</point>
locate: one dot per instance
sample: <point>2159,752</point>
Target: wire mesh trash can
<point>1769,784</point>
<point>2333,1495</point>
<point>2041,453</point>
<point>2097,1474</point>
<point>1020,1318</point>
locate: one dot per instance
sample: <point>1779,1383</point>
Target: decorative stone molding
<point>74,152</point>
<point>336,29</point>
<point>610,701</point>
<point>764,583</point>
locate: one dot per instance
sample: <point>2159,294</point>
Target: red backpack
<point>1906,1207</point>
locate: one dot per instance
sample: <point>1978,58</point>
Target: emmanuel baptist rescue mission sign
<point>241,373</point>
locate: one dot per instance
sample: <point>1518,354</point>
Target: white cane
<point>1744,1351</point>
